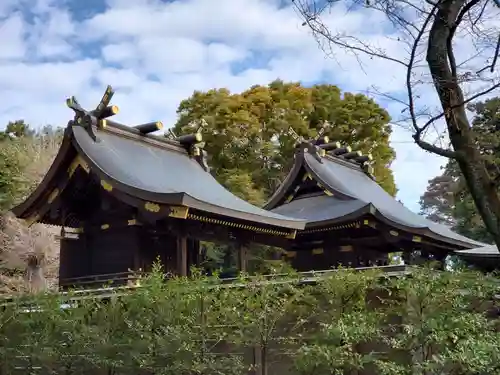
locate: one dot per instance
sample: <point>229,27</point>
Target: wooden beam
<point>220,233</point>
<point>182,258</point>
<point>328,241</point>
<point>242,258</point>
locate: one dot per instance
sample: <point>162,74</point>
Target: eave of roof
<point>323,210</point>
<point>152,169</point>
<point>487,257</point>
<point>23,209</point>
<point>356,184</point>
<point>490,251</point>
<point>361,193</point>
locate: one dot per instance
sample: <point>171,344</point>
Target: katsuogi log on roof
<point>157,176</point>
<point>332,188</point>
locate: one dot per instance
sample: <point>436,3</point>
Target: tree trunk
<point>263,359</point>
<point>470,161</point>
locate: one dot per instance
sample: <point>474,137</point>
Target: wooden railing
<point>113,283</point>
<point>106,285</point>
<point>132,279</point>
<point>109,279</point>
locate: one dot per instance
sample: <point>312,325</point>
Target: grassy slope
<point>18,243</point>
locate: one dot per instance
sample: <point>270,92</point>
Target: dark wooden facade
<point>351,220</point>
<point>112,241</point>
<point>125,198</point>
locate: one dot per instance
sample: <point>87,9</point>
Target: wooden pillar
<point>441,261</point>
<point>182,256</point>
<point>195,253</point>
<point>242,258</point>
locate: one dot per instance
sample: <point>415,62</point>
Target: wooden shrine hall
<point>125,198</point>
<point>351,220</point>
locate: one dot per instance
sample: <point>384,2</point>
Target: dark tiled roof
<point>165,171</point>
<point>353,193</point>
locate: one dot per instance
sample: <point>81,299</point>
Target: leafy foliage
<point>25,156</point>
<point>345,322</point>
<point>16,129</point>
<point>268,315</point>
<point>246,134</point>
<point>11,169</point>
<point>443,327</point>
<point>428,323</point>
<point>437,202</point>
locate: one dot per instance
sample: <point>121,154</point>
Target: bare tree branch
<point>491,66</point>
<point>411,104</point>
<point>440,23</point>
<point>435,149</point>
<point>468,100</point>
<point>449,42</point>
<point>311,20</point>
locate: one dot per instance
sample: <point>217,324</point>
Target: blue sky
<point>156,53</point>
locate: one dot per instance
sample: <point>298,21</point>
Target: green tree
<point>37,332</point>
<point>107,330</point>
<point>346,320</point>
<point>428,322</point>
<point>447,199</point>
<point>176,326</point>
<point>246,134</point>
<point>444,325</point>
<point>16,129</point>
<point>9,338</point>
<point>11,168</point>
<point>25,156</point>
<point>438,201</point>
<point>269,315</point>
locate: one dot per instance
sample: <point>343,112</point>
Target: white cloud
<point>12,37</point>
<point>157,53</point>
<point>6,7</point>
<point>123,53</point>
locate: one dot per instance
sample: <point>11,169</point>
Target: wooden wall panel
<point>157,246</point>
<point>74,259</point>
<point>113,250</point>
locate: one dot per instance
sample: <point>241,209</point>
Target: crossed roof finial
<point>96,117</point>
<point>312,144</point>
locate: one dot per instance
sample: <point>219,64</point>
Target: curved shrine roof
<point>166,174</point>
<point>140,165</point>
<point>351,193</point>
<point>486,257</point>
<point>320,208</point>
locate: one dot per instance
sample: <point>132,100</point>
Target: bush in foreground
<point>428,323</point>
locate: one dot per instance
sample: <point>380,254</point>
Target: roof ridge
<point>348,163</point>
<point>322,148</point>
<point>113,126</point>
<point>97,120</point>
